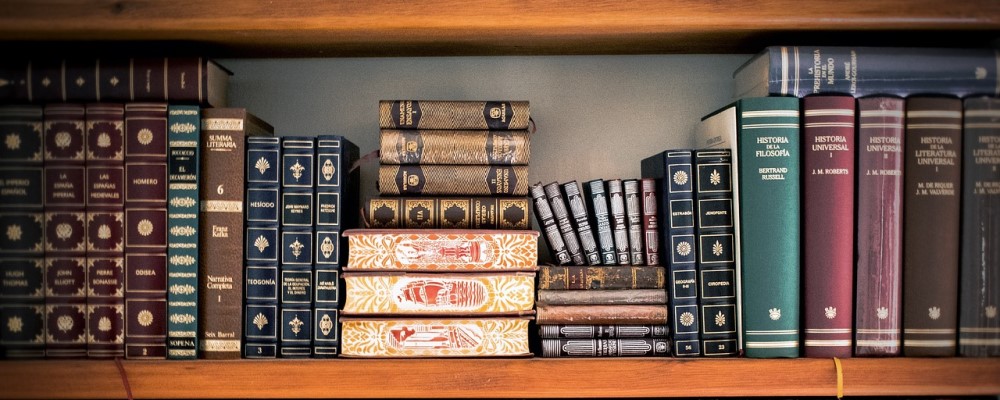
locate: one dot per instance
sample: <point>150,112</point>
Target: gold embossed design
<point>145,136</point>
<point>297,170</point>
<point>328,169</point>
<point>260,321</point>
<point>425,204</point>
<point>715,178</point>
<point>326,247</point>
<point>296,247</point>
<point>64,323</point>
<point>326,324</point>
<point>103,140</point>
<point>14,232</point>
<point>262,165</point>
<point>462,147</point>
<point>181,289</point>
<point>64,231</point>
<point>442,250</point>
<point>182,318</point>
<point>185,127</point>
<point>471,180</point>
<point>15,324</point>
<point>451,205</point>
<point>104,232</point>
<point>145,227</point>
<point>435,337</point>
<point>63,139</point>
<point>145,318</point>
<point>505,206</point>
<point>183,202</point>
<point>261,243</point>
<point>183,231</point>
<point>104,324</point>
<point>184,260</point>
<point>296,324</point>
<point>12,141</point>
<point>436,294</point>
<point>391,204</point>
<point>455,115</point>
<point>221,345</point>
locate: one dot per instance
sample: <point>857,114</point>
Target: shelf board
<point>498,378</point>
<point>463,27</point>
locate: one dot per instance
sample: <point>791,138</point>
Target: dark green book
<point>183,134</point>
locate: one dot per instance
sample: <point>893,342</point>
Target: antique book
<point>183,140</point>
<point>22,252</point>
<point>674,168</point>
<point>607,297</point>
<point>619,226</point>
<point>298,213</point>
<point>65,231</point>
<point>633,218</point>
<point>600,277</point>
<point>434,337</point>
<point>600,222</point>
<point>146,230</point>
<point>178,80</point>
<point>260,275</point>
<point>715,251</point>
<point>828,225</point>
<point>650,221</point>
<point>441,250</point>
<point>560,211</point>
<point>468,147</point>
<point>878,285</point>
<point>862,71</point>
<point>465,294</point>
<point>581,222</point>
<point>601,314</point>
<point>979,292</point>
<point>220,273</point>
<point>547,220</point>
<point>645,347</point>
<point>602,331</point>
<point>453,114</point>
<point>931,223</point>
<point>437,212</point>
<point>458,180</point>
<point>105,135</point>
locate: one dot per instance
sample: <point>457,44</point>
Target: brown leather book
<point>458,180</point>
<point>441,146</point>
<point>601,314</point>
<point>600,277</point>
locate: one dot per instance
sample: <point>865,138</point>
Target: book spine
<point>606,297</point>
<point>47,79</point>
<point>619,228</point>
<point>602,331</point>
<point>547,220</point>
<point>105,135</point>
<point>769,141</point>
<point>633,214</point>
<point>184,131</point>
<point>828,225</point>
<point>879,227</point>
<point>464,147</point>
<point>580,223</point>
<point>931,221</point>
<point>600,277</point>
<point>469,180</point>
<point>146,230</point>
<point>492,115</point>
<point>447,213</point>
<point>600,221</point>
<point>650,223</point>
<point>979,327</point>
<point>439,294</point>
<point>601,315</point>
<point>65,231</point>
<point>22,252</point>
<point>442,250</point>
<point>261,278</point>
<point>716,261</point>
<point>652,347</point>
<point>407,337</point>
<point>298,190</point>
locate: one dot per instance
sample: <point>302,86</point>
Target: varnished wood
<point>466,27</point>
<point>498,378</point>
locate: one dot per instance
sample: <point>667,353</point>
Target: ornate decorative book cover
<point>298,232</point>
<point>600,222</point>
<point>547,220</point>
<point>428,114</point>
<point>468,147</point>
<point>600,277</point>
<point>602,314</point>
<point>442,250</point>
<point>716,258</point>
<point>447,213</point>
<point>619,223</point>
<point>560,212</point>
<point>460,337</point>
<point>650,221</point>
<point>581,222</point>
<point>458,180</point>
<point>438,294</point>
<point>645,347</point>
<point>261,277</point>
<point>602,331</point>
<point>184,140</point>
<point>598,296</point>
<point>633,218</point>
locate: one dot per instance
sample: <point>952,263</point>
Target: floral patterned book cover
<point>437,250</point>
<point>412,338</point>
<point>437,294</point>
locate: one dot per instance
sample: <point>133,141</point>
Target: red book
<point>880,211</point>
<point>828,224</point>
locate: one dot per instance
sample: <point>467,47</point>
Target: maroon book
<point>828,224</point>
<point>105,133</point>
<point>879,220</point>
<point>650,226</point>
<point>145,230</point>
<point>931,225</point>
<point>65,232</point>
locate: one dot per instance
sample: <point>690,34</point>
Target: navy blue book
<point>298,164</point>
<point>337,190</point>
<point>261,247</point>
<point>674,169</point>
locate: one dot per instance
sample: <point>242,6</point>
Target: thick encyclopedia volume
<point>828,225</point>
<point>465,294</point>
<point>601,314</point>
<point>183,136</point>
<point>879,225</point>
<point>441,250</point>
<point>220,278</point>
<point>862,71</point>
<point>602,331</point>
<point>439,337</point>
<point>716,261</point>
<point>651,347</point>
<point>428,114</point>
<point>447,212</point>
<point>619,226</point>
<point>561,214</point>
<point>298,192</point>
<point>547,220</point>
<point>467,180</point>
<point>978,325</point>
<point>22,253</point>
<point>261,249</point>
<point>931,225</point>
<point>598,296</point>
<point>469,147</point>
<point>581,222</point>
<point>600,222</point>
<point>600,277</point>
<point>633,217</point>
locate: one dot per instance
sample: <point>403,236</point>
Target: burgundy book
<point>828,224</point>
<point>145,230</point>
<point>105,134</point>
<point>65,232</point>
<point>931,219</point>
<point>879,227</point>
<point>650,226</point>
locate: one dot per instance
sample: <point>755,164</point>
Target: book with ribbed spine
<point>602,331</point>
<point>297,264</point>
<point>547,220</point>
<point>619,225</point>
<point>468,180</point>
<point>878,285</point>
<point>633,218</point>
<point>453,114</point>
<point>600,277</point>
<point>715,252</point>
<point>650,222</point>
<point>220,273</point>
<point>979,291</point>
<point>469,147</point>
<point>441,250</point>
<point>22,252</point>
<point>600,222</point>
<point>261,278</point>
<point>931,225</point>
<point>183,137</point>
<point>561,214</point>
<point>435,337</point>
<point>447,213</point>
<point>581,222</point>
<point>601,314</point>
<point>465,294</point>
<point>598,296</point>
<point>639,347</point>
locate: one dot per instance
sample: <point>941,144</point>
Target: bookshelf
<point>610,83</point>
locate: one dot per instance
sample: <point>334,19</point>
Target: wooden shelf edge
<point>497,378</point>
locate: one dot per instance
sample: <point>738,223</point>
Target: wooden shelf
<point>463,27</point>
<point>498,378</point>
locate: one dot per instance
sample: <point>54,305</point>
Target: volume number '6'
<point>220,190</point>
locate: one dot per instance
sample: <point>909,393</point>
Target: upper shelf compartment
<point>467,27</point>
